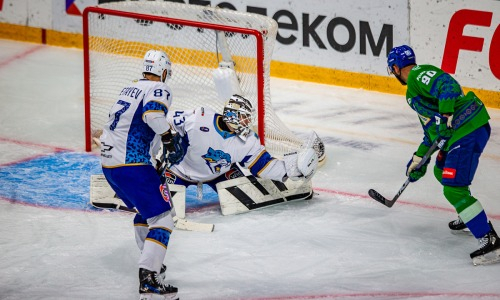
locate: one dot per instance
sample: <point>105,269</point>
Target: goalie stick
<point>181,223</point>
<point>185,224</point>
<point>178,222</point>
<point>389,203</point>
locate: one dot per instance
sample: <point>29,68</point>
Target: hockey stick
<point>103,197</point>
<point>178,222</point>
<point>182,223</point>
<point>389,203</point>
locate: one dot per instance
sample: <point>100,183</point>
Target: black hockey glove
<point>178,154</point>
<point>173,144</point>
<point>168,141</point>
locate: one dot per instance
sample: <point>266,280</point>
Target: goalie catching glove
<point>301,165</point>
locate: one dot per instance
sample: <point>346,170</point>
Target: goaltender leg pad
<point>103,196</point>
<point>243,194</point>
<point>178,193</point>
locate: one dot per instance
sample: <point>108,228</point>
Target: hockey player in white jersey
<point>209,146</point>
<point>136,128</point>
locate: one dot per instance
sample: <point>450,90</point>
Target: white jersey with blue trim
<point>131,136</point>
<point>210,151</point>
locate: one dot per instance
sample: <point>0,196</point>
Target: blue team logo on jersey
<point>217,159</point>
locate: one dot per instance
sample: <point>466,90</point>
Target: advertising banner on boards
<point>462,38</point>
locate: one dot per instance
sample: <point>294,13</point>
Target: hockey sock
<point>141,230</point>
<point>155,245</point>
<point>468,208</point>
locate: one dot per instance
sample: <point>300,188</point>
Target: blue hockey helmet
<point>401,56</point>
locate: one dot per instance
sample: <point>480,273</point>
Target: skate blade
<point>152,296</point>
<point>487,259</point>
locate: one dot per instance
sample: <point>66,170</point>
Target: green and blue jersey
<point>431,91</point>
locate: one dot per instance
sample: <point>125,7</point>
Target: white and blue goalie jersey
<point>137,119</point>
<point>210,151</point>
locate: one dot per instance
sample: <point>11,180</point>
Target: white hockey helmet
<point>239,114</point>
<point>155,62</point>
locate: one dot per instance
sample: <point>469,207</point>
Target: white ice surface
<point>340,245</point>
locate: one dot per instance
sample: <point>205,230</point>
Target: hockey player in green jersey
<point>461,123</point>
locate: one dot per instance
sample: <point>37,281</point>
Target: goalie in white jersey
<point>209,145</point>
<point>133,134</point>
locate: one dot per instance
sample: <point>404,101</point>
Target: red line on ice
<point>383,295</point>
<point>53,149</point>
<point>400,202</point>
<point>35,145</point>
<point>20,55</point>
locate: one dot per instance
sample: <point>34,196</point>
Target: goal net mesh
<point>197,39</point>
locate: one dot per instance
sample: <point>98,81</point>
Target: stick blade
<point>193,226</point>
<point>379,198</point>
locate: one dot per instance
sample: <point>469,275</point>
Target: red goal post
<point>198,40</point>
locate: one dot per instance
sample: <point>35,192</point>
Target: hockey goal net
<point>198,40</point>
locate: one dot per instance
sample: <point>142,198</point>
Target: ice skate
<point>162,271</point>
<point>152,287</point>
<point>489,249</point>
<point>458,227</point>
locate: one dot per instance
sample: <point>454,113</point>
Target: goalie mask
<point>155,62</point>
<point>239,115</point>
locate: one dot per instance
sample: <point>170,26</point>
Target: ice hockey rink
<point>339,245</point>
